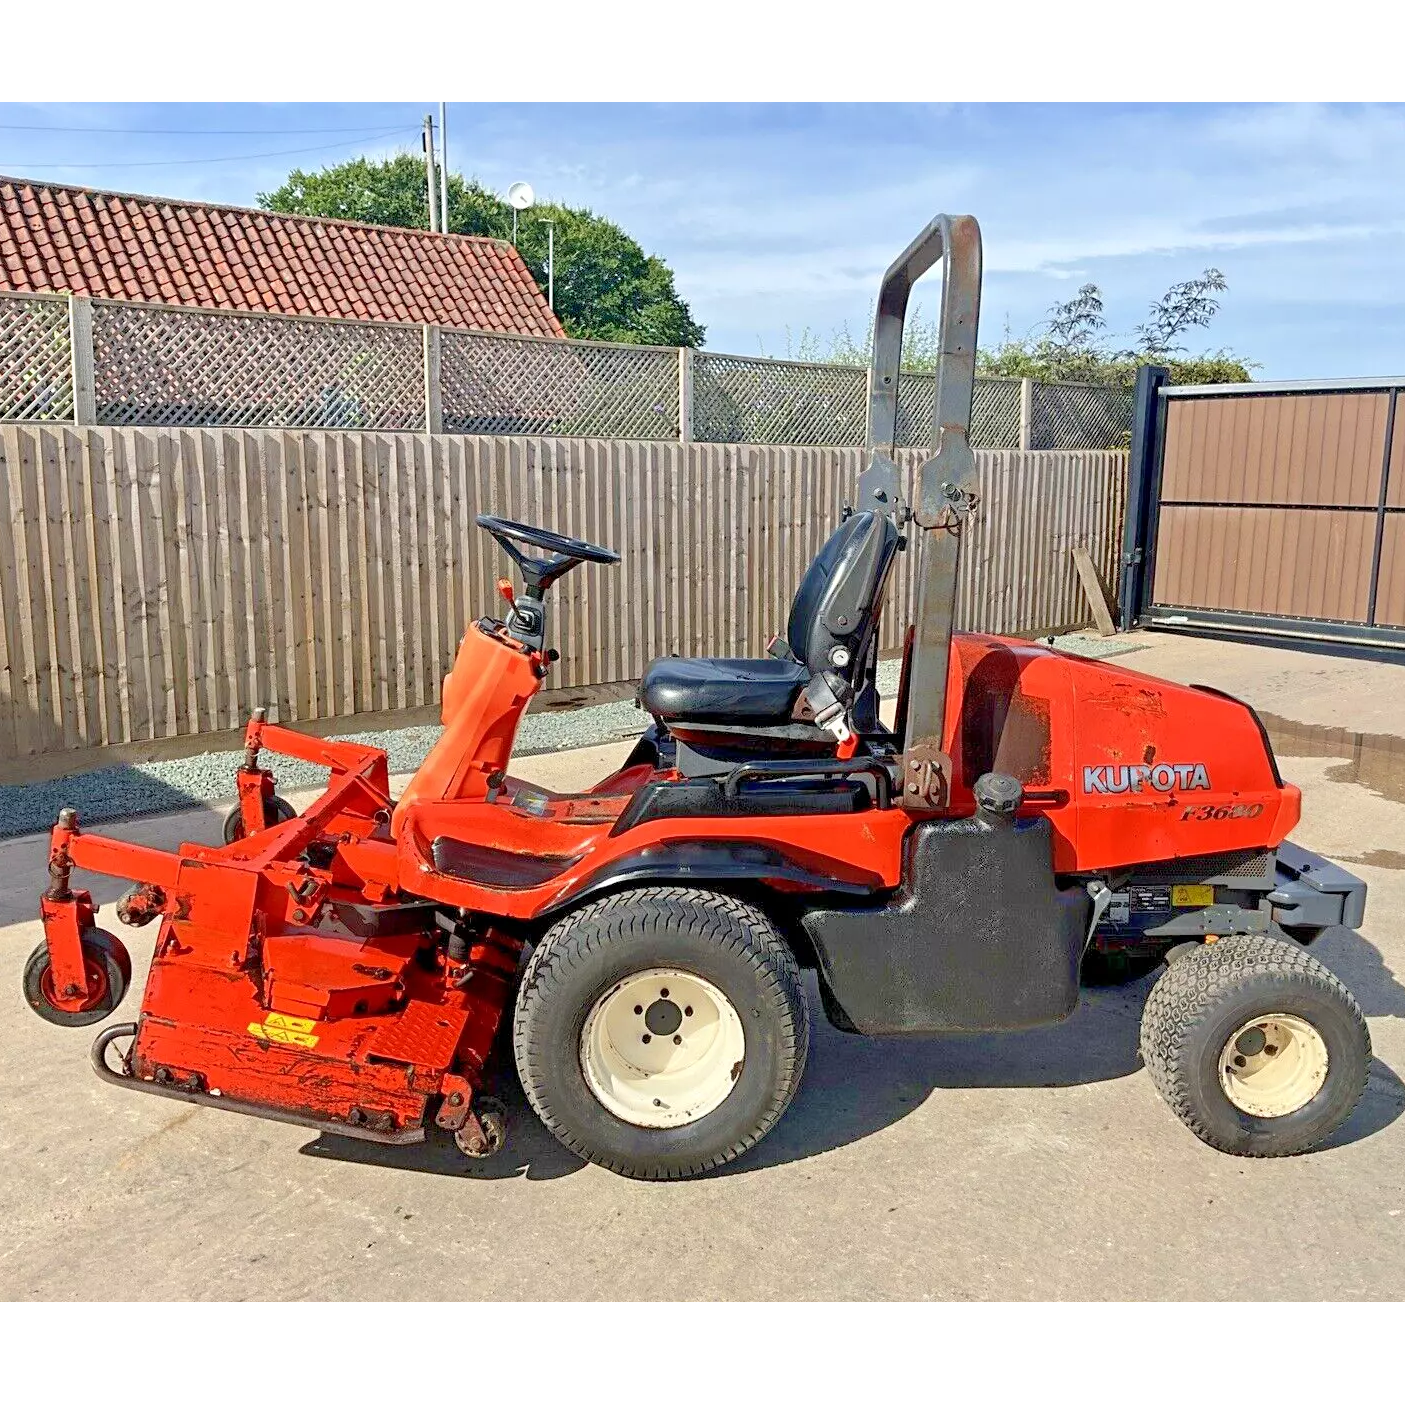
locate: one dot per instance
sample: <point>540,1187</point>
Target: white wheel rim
<point>1273,1065</point>
<point>662,1048</point>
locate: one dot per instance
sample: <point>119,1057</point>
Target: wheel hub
<point>663,1017</point>
<point>1273,1065</point>
<point>662,1048</point>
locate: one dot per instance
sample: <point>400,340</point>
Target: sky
<point>778,219</point>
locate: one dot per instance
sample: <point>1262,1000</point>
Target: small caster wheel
<point>275,811</point>
<point>109,971</point>
<point>489,1135</point>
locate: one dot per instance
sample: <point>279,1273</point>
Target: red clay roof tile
<point>67,238</point>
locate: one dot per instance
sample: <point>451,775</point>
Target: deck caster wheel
<point>275,811</point>
<point>1259,1049</point>
<point>661,1032</point>
<point>489,1136</point>
<point>109,971</point>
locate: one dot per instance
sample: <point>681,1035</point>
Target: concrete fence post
<point>1026,413</point>
<point>433,385</point>
<point>80,340</point>
<point>685,395</point>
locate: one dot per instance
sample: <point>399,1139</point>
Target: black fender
<point>703,863</point>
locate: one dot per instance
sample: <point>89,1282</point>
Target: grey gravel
<point>121,792</point>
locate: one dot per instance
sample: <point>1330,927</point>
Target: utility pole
<point>429,174</point>
<point>551,264</point>
<point>444,167</point>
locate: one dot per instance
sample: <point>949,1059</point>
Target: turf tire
<point>714,935</point>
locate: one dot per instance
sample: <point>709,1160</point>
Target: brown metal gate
<point>1275,510</point>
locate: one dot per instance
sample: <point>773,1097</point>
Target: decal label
<point>1223,812</point>
<point>1121,780</point>
<point>1192,895</point>
<point>286,1029</point>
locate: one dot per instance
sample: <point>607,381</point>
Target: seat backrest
<point>839,600</point>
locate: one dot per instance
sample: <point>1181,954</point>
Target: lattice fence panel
<point>166,366</point>
<point>1080,417</point>
<point>751,400</point>
<point>36,364</point>
<point>995,412</point>
<point>518,385</point>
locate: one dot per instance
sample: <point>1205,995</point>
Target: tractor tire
<point>110,973</point>
<point>1258,1048</point>
<point>661,1032</point>
<point>275,811</point>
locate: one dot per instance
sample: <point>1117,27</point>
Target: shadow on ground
<point>856,1086</point>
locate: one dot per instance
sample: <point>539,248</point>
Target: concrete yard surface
<point>1038,1165</point>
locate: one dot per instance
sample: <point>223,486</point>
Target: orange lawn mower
<point>348,969</point>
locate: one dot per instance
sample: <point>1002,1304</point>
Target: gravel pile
<point>121,792</point>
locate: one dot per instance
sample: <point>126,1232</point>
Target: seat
<point>761,691</point>
<point>826,650</point>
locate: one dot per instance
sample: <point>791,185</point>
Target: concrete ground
<point>1040,1165</point>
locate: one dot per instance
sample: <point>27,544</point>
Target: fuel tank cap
<point>997,793</point>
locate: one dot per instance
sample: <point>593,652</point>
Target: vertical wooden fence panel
<point>161,583</point>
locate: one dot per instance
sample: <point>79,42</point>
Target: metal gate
<point>1269,510</point>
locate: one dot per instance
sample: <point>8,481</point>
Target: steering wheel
<point>539,572</point>
<point>500,527</point>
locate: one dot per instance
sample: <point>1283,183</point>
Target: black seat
<point>826,650</point>
<point>723,690</point>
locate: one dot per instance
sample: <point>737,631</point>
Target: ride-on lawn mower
<point>347,969</point>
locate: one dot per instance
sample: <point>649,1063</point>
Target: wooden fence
<point>162,583</point>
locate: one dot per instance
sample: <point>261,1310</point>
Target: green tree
<point>607,287</point>
<point>1071,344</point>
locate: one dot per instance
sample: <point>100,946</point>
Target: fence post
<point>80,340</point>
<point>1143,494</point>
<point>685,394</point>
<point>433,386</point>
<point>1026,413</point>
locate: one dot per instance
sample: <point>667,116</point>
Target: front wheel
<point>275,811</point>
<point>661,1032</point>
<point>1259,1049</point>
<point>108,969</point>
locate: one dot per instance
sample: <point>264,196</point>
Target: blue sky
<point>782,217</point>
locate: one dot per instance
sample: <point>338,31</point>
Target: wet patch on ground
<point>1375,760</point>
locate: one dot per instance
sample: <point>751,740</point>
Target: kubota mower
<point>347,969</point>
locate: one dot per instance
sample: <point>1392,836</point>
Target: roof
<point>141,248</point>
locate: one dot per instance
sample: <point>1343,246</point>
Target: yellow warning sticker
<point>286,1029</point>
<point>1192,895</point>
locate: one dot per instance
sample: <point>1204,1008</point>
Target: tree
<point>1071,345</point>
<point>607,287</point>
<point>1182,305</point>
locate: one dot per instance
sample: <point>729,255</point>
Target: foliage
<point>607,288</point>
<point>1070,345</point>
<point>1182,305</point>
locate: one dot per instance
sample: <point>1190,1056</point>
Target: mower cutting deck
<point>349,968</point>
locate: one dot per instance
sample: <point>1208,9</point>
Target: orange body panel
<point>1129,769</point>
<point>485,695</point>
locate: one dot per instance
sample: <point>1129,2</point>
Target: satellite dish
<point>520,196</point>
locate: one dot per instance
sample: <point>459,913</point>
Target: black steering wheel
<point>540,572</point>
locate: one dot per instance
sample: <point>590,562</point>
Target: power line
<point>189,131</point>
<point>199,160</point>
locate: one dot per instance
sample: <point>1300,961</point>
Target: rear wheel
<point>1259,1049</point>
<point>661,1032</point>
<point>275,811</point>
<point>108,968</point>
